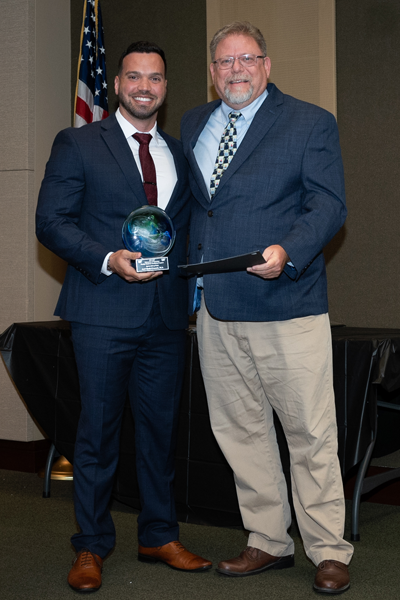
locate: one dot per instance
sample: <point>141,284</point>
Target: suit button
<point>210,213</point>
<point>199,247</point>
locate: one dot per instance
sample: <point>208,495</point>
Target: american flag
<point>91,101</point>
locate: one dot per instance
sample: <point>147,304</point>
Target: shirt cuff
<point>104,269</point>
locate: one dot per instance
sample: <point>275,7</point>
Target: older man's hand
<point>275,260</point>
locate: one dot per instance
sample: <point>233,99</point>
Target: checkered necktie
<point>226,151</point>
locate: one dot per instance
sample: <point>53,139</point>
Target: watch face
<point>148,230</point>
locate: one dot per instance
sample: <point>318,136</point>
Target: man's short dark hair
<point>142,48</point>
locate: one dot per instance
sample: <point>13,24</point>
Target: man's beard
<point>140,112</point>
<point>238,97</point>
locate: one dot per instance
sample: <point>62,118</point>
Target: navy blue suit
<point>284,186</point>
<point>126,336</point>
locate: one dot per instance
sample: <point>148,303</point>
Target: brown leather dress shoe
<point>332,577</point>
<point>252,561</point>
<point>176,556</point>
<point>85,575</point>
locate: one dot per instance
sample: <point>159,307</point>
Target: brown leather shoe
<point>332,577</point>
<point>85,575</point>
<point>252,561</point>
<point>176,556</point>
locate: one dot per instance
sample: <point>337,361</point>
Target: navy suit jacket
<point>90,186</point>
<point>284,186</point>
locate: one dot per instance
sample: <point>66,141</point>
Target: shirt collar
<point>128,129</point>
<point>247,112</point>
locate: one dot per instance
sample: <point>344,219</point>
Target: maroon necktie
<point>148,168</point>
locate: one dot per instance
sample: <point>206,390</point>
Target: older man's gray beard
<point>238,97</point>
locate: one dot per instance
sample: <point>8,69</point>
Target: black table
<point>40,359</point>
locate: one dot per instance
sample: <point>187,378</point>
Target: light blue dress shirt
<point>206,148</point>
<point>207,145</point>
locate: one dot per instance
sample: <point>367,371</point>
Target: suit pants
<point>249,369</point>
<point>147,362</point>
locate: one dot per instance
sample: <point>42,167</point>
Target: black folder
<point>226,265</point>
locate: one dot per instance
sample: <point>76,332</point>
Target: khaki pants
<point>250,368</point>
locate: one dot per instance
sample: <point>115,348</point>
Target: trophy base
<point>146,265</point>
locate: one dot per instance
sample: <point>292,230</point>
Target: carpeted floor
<point>36,554</point>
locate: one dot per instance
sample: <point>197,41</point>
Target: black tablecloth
<point>40,359</point>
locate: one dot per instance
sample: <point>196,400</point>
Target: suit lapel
<point>263,120</point>
<point>119,147</point>
<point>196,127</point>
<point>170,208</point>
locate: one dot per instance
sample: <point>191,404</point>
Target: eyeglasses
<point>227,62</point>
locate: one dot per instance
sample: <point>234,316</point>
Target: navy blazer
<point>90,186</point>
<point>284,186</point>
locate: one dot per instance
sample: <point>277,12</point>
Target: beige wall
<point>364,281</point>
<point>300,40</point>
<point>34,105</point>
<point>35,99</point>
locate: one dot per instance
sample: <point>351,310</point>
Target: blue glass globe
<point>148,230</point>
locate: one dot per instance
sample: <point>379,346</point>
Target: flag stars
<point>92,72</point>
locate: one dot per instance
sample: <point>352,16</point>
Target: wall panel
<point>364,278</point>
<point>34,105</point>
<point>178,26</point>
<point>300,40</point>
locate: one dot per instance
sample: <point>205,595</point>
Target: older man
<point>266,173</point>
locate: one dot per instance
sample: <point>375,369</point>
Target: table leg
<point>47,470</point>
<point>355,508</point>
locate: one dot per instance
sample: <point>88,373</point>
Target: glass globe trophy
<point>149,230</point>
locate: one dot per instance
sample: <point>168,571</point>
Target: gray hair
<point>238,28</point>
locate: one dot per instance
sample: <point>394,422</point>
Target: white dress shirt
<point>163,162</point>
